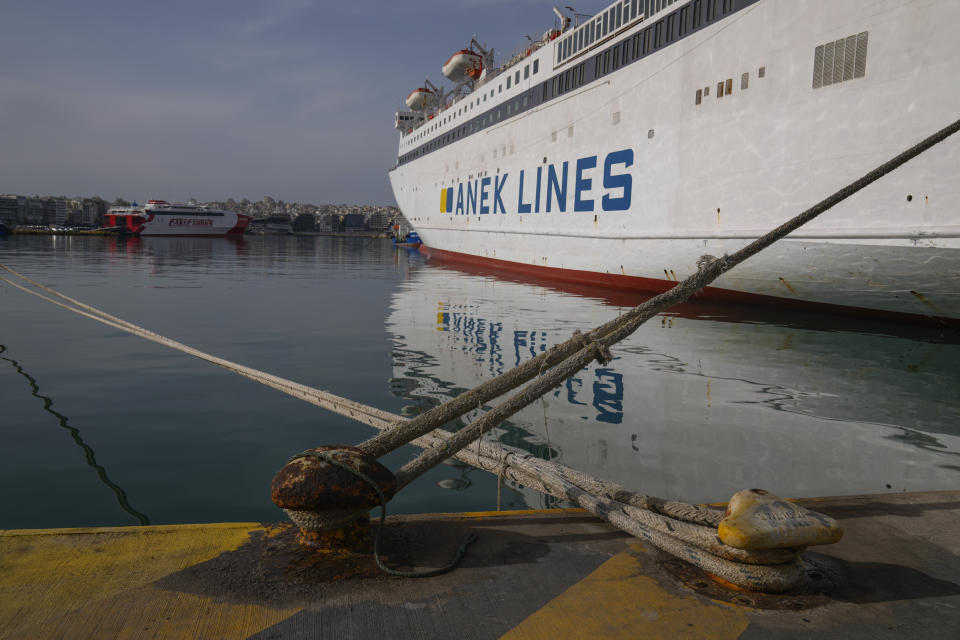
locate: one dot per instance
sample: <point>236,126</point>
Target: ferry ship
<point>160,218</point>
<point>619,148</point>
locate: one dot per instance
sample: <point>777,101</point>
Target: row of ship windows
<point>663,32</point>
<point>473,103</point>
<point>677,24</point>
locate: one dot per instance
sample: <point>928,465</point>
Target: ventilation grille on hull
<point>839,61</point>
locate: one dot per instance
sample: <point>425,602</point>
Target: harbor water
<point>103,428</point>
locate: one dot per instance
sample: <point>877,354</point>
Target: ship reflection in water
<point>698,404</point>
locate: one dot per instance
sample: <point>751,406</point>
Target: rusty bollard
<point>330,504</point>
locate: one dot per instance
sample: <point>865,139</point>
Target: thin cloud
<point>279,12</point>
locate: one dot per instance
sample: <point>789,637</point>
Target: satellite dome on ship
<point>464,64</point>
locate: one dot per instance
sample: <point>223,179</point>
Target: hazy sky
<point>215,99</point>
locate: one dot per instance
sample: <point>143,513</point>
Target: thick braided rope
<point>326,456</point>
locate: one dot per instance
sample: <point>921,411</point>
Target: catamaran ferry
<point>621,147</point>
<point>160,218</point>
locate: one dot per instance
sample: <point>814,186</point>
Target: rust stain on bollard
<point>329,503</point>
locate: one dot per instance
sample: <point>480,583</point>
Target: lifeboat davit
<point>462,65</point>
<point>420,98</point>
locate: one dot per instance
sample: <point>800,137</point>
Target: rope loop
<point>600,352</point>
<point>326,456</point>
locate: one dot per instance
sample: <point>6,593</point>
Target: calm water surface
<point>103,428</point>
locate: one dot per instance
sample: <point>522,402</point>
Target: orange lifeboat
<point>462,65</point>
<point>420,98</point>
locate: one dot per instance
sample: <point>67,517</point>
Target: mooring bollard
<point>758,519</point>
<point>326,492</point>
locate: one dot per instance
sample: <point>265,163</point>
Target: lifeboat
<point>420,98</point>
<point>462,65</point>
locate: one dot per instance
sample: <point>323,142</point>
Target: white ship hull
<point>173,224</point>
<point>654,180</point>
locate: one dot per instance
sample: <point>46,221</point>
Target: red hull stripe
<point>654,286</point>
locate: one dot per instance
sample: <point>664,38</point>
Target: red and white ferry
<point>160,218</point>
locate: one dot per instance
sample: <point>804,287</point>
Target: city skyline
<point>180,100</point>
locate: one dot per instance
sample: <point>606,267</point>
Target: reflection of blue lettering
<point>519,340</point>
<point>608,396</point>
<point>481,344</point>
<point>496,358</point>
<point>572,393</point>
<point>527,339</point>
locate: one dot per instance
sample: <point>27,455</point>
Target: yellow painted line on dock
<point>617,601</point>
<point>97,583</point>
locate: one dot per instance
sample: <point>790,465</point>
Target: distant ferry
<point>160,218</point>
<point>618,149</point>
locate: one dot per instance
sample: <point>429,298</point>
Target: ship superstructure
<point>619,149</point>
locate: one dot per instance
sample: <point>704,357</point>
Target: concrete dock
<point>532,574</point>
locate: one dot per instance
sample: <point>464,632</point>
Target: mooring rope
<point>325,456</point>
<point>366,414</point>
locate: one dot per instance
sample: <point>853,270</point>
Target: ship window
<point>727,6</point>
<point>500,88</point>
<point>744,81</point>
<point>619,15</point>
<point>526,72</point>
<point>536,66</point>
<point>508,81</point>
<point>762,71</point>
<point>606,61</point>
<point>559,53</point>
<point>728,88</point>
<point>583,65</point>
<point>516,77</point>
<point>671,26</point>
<point>720,89</point>
<point>605,18</point>
<point>626,54</point>
<point>616,57</point>
<point>699,96</point>
<point>545,90</point>
<point>697,7</point>
<point>647,40</point>
<point>633,9</point>
<point>636,45</point>
<point>658,35</point>
<point>612,17</point>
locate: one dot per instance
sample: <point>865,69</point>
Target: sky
<point>292,99</point>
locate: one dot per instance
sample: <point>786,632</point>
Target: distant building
<point>54,211</point>
<point>305,222</point>
<point>354,222</point>
<point>379,220</point>
<point>12,210</point>
<point>89,213</point>
<point>328,222</point>
<point>276,223</point>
